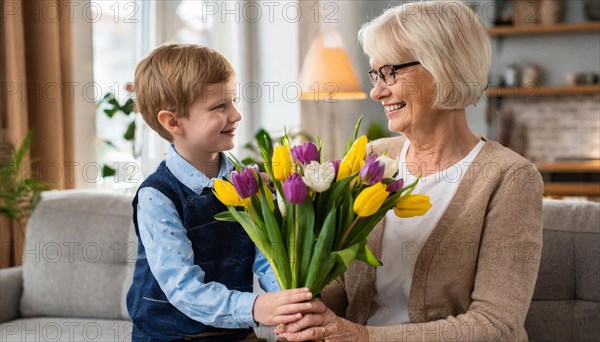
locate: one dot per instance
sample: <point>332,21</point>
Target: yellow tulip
<point>226,193</point>
<point>370,200</point>
<point>355,159</point>
<point>412,205</point>
<point>282,162</point>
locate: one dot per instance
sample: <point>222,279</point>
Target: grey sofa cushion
<point>65,329</point>
<point>77,250</point>
<point>566,300</point>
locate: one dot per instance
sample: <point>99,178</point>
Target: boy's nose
<point>235,116</point>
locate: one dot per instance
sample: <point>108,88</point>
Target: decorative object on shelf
<point>584,78</point>
<point>512,75</point>
<point>526,12</point>
<point>551,11</point>
<point>591,9</point>
<point>531,75</point>
<point>504,13</point>
<point>570,78</point>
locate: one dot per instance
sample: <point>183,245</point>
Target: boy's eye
<point>221,106</point>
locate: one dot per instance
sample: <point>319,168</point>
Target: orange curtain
<point>36,71</point>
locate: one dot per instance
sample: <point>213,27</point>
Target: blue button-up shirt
<point>162,232</point>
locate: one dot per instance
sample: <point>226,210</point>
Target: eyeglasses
<point>388,72</point>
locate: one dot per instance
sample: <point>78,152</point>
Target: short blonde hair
<point>445,36</point>
<point>173,76</point>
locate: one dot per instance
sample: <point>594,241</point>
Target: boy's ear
<point>169,121</point>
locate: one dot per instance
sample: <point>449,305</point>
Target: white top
<point>403,238</point>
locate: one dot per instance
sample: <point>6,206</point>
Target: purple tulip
<point>372,171</point>
<point>305,153</point>
<point>395,186</point>
<point>245,183</point>
<point>336,166</point>
<point>294,189</point>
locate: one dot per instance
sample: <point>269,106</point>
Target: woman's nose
<point>379,91</point>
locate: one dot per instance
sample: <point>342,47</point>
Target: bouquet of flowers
<point>323,212</point>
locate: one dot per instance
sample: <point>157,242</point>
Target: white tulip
<point>318,177</point>
<point>391,166</point>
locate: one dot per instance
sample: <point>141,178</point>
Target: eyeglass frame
<point>395,67</point>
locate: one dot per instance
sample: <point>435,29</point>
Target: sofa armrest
<point>11,287</point>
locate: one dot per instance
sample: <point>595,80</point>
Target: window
<point>123,32</point>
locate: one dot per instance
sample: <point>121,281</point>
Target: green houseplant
<point>111,107</point>
<point>19,192</point>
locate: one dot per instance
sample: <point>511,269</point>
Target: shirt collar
<point>191,177</point>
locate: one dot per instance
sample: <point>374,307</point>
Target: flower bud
<point>372,171</point>
<point>245,183</point>
<point>412,205</point>
<point>305,153</point>
<point>318,177</point>
<point>294,189</point>
<point>391,166</point>
<point>227,194</point>
<point>370,200</point>
<point>282,162</point>
<point>355,158</point>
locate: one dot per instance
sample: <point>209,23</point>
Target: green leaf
<point>357,127</point>
<point>130,132</point>
<point>114,102</point>
<point>306,226</point>
<point>346,256</point>
<point>365,254</point>
<point>110,112</point>
<point>322,251</point>
<point>127,108</point>
<point>264,141</point>
<point>108,171</point>
<point>280,256</point>
<point>343,261</point>
<point>225,216</point>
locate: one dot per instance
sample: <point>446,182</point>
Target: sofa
<point>79,255</point>
<point>81,248</point>
<point>566,299</point>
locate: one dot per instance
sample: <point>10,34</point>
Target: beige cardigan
<point>475,275</point>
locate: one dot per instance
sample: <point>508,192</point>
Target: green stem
<point>347,233</point>
<point>295,262</point>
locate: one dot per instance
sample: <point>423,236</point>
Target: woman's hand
<point>282,307</point>
<point>322,324</point>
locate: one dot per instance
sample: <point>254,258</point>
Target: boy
<point>193,277</point>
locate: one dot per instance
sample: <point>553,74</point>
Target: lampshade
<point>327,72</point>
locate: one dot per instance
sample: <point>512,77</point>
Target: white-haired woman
<point>467,269</point>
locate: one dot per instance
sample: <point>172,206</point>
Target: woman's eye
<point>236,100</point>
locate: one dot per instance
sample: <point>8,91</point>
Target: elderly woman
<point>466,270</point>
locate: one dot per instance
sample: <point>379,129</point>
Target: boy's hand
<point>282,307</point>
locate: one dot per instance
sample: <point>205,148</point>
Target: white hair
<point>446,37</point>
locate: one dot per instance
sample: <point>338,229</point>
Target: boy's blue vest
<point>222,249</point>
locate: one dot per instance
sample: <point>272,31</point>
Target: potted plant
<point>19,191</point>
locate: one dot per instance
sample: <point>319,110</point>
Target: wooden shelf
<point>563,28</point>
<point>583,166</point>
<point>536,91</point>
<point>572,189</point>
